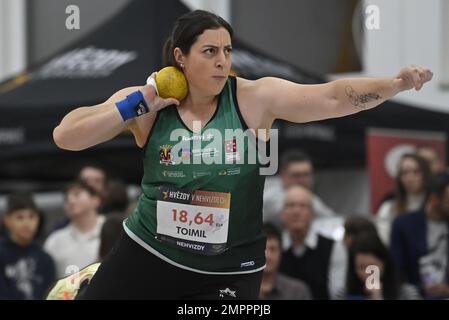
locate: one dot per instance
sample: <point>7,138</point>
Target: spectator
<point>411,184</point>
<point>26,271</point>
<point>420,241</point>
<point>372,274</point>
<point>276,286</point>
<point>296,168</point>
<point>95,176</point>
<point>40,232</point>
<point>77,244</point>
<point>432,157</point>
<point>64,288</point>
<point>318,261</point>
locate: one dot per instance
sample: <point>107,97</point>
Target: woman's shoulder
<point>253,106</point>
<point>251,85</point>
<point>259,92</point>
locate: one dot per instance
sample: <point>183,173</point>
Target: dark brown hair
<point>186,30</point>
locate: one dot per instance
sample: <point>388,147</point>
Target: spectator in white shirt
<point>76,245</point>
<point>95,176</point>
<point>411,183</point>
<point>296,168</point>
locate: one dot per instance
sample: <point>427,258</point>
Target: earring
<point>182,65</point>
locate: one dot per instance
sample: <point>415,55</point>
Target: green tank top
<point>201,217</point>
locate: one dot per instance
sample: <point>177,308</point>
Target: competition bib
<point>193,220</point>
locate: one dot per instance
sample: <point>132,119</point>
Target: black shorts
<point>129,271</point>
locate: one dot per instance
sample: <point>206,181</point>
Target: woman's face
<point>209,61</point>
<point>411,176</point>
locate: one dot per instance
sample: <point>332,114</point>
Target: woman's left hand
<point>413,76</point>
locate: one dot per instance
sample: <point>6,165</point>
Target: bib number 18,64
<point>194,220</point>
<point>199,219</point>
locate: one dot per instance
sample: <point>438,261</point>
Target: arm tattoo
<point>359,100</point>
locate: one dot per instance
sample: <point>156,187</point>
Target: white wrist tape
<point>152,82</point>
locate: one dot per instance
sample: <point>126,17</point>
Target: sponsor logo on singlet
<point>165,156</point>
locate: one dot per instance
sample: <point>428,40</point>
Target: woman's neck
<point>198,103</point>
<point>415,196</point>
<point>413,201</point>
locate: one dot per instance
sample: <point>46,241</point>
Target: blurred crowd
<point>401,252</point>
<point>33,256</point>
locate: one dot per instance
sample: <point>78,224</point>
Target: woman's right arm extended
<point>85,127</point>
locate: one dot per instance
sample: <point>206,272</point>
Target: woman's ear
<point>179,56</point>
